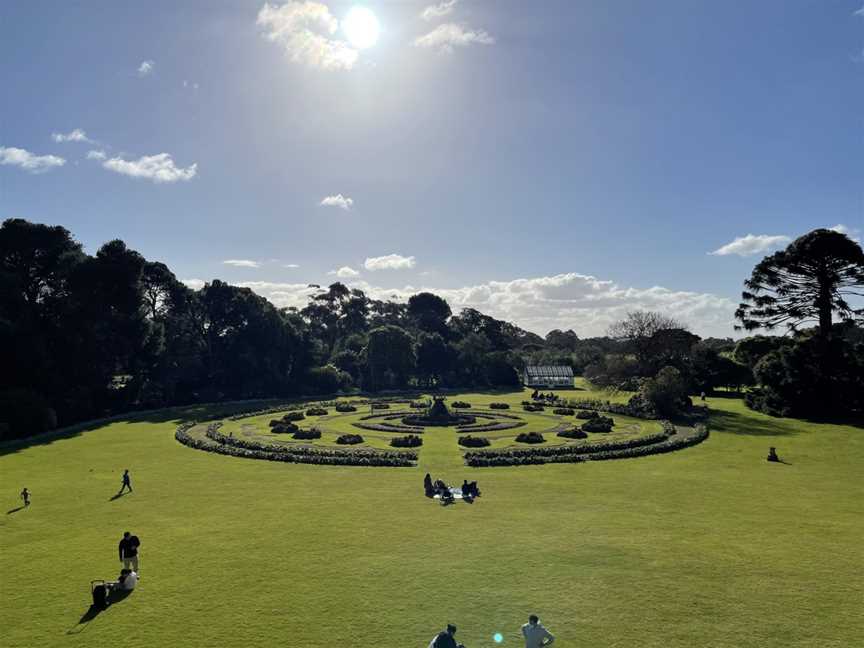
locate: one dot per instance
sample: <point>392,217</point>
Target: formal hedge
<point>563,411</point>
<point>460,405</point>
<point>473,442</point>
<point>407,441</point>
<point>293,416</point>
<point>495,426</point>
<point>377,405</point>
<point>349,439</point>
<point>598,424</point>
<point>344,407</point>
<point>388,427</point>
<point>221,444</point>
<point>284,428</point>
<point>316,411</point>
<point>637,407</point>
<point>420,404</point>
<point>530,437</point>
<point>307,435</point>
<point>573,433</point>
<point>587,414</point>
<point>532,407</point>
<point>499,406</point>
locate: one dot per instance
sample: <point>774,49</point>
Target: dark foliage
<point>573,433</point>
<point>473,442</point>
<point>344,408</point>
<point>283,428</point>
<point>316,411</point>
<point>563,411</point>
<point>499,406</point>
<point>349,439</point>
<point>460,405</point>
<point>407,441</point>
<point>598,424</point>
<point>530,437</point>
<point>307,435</point>
<point>294,416</point>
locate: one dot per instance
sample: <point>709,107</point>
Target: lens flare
<point>361,27</point>
<point>497,637</point>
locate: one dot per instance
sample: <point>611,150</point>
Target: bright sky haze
<point>552,163</point>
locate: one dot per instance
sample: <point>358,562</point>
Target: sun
<point>361,27</point>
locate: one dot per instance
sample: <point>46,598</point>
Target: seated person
<point>772,455</point>
<point>441,487</point>
<point>127,581</point>
<point>475,491</point>
<point>466,488</point>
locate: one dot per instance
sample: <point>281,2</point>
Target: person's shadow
<point>15,510</point>
<point>93,611</point>
<point>117,496</point>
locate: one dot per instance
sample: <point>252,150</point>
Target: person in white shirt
<point>535,634</point>
<point>129,581</point>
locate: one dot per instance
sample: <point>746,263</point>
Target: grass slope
<point>710,546</point>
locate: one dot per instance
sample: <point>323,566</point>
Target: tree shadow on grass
<point>734,423</point>
<point>93,612</point>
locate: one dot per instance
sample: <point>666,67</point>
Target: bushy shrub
<point>666,392</point>
<point>407,441</point>
<point>530,437</point>
<point>284,428</point>
<point>316,411</point>
<point>460,405</point>
<point>345,407</point>
<point>532,407</point>
<point>598,424</point>
<point>473,442</point>
<point>499,406</point>
<point>293,416</point>
<point>304,435</point>
<point>587,414</point>
<point>573,433</point>
<point>563,411</point>
<point>349,439</point>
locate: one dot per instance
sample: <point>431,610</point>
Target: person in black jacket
<point>445,638</point>
<point>128,549</point>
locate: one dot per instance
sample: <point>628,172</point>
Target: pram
<point>100,590</point>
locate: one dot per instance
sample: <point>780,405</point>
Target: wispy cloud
<point>76,135</point>
<point>242,263</point>
<point>146,68</point>
<point>345,272</point>
<point>158,168</point>
<point>390,262</point>
<point>291,266</point>
<point>304,31</point>
<point>439,10</point>
<point>340,201</point>
<point>9,155</point>
<point>96,155</point>
<point>851,232</point>
<point>859,12</point>
<point>448,36</point>
<point>752,244</point>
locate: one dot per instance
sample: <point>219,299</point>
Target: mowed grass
<point>709,546</point>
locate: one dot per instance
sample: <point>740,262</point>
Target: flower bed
<point>221,444</point>
<point>473,442</point>
<point>349,439</point>
<point>407,441</point>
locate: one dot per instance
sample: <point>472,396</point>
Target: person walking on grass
<point>128,550</point>
<point>127,482</point>
<point>446,638</point>
<point>25,495</point>
<point>536,636</point>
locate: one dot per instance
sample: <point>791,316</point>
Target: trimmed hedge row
<point>491,427</point>
<point>473,442</point>
<point>307,435</point>
<point>283,428</point>
<point>316,411</point>
<point>388,427</point>
<point>460,405</point>
<point>532,407</point>
<point>320,456</point>
<point>643,446</point>
<point>587,414</point>
<point>599,424</point>
<point>563,411</point>
<point>499,406</point>
<point>530,437</point>
<point>290,417</point>
<point>573,433</point>
<point>344,407</point>
<point>349,439</point>
<point>637,407</point>
<point>407,441</point>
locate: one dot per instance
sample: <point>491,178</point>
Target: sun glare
<point>361,27</point>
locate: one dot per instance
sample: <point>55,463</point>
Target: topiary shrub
<point>345,407</point>
<point>293,416</point>
<point>304,435</point>
<point>530,437</point>
<point>349,439</point>
<point>499,406</point>
<point>598,424</point>
<point>574,433</point>
<point>532,407</point>
<point>316,411</point>
<point>407,441</point>
<point>563,411</point>
<point>284,428</point>
<point>460,405</point>
<point>587,414</point>
<point>473,442</point>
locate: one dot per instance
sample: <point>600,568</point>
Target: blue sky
<point>552,163</point>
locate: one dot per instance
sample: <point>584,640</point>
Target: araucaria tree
<point>809,281</point>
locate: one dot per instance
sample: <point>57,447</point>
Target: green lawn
<point>709,546</point>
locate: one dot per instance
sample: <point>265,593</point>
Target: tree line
<point>86,336</point>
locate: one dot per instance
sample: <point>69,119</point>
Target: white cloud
<point>450,35</point>
<point>851,232</point>
<point>76,135</point>
<point>9,155</point>
<point>194,284</point>
<point>345,273</point>
<point>242,263</point>
<point>340,201</point>
<point>860,12</point>
<point>96,155</point>
<point>437,11</point>
<point>145,68</point>
<point>158,168</point>
<point>290,266</point>
<point>584,303</point>
<point>389,262</point>
<point>190,84</point>
<point>303,29</point>
<point>752,244</point>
